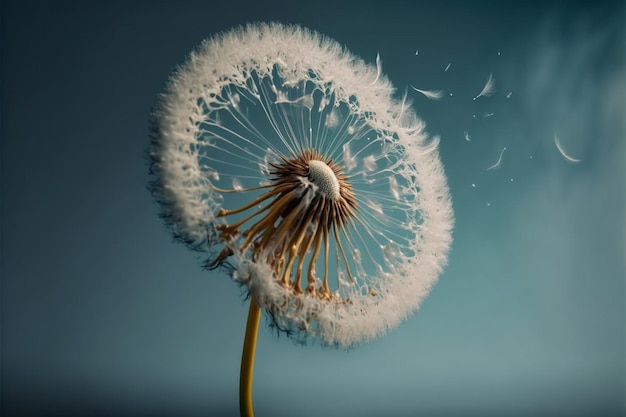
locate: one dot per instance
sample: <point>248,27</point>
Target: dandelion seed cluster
<point>289,161</point>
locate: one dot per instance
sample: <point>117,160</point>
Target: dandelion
<point>290,164</point>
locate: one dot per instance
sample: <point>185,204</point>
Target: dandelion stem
<point>247,360</point>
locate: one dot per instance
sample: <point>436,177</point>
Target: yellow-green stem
<point>247,360</point>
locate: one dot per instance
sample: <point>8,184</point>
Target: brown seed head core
<point>310,199</point>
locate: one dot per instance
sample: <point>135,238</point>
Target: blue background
<point>103,315</point>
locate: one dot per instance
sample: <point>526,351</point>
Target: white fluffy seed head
<point>321,97</point>
<point>324,177</point>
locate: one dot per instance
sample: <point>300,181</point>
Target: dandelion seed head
<point>290,163</point>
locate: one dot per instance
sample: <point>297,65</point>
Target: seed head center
<point>324,177</point>
<point>308,202</point>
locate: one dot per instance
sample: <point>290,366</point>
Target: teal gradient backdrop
<point>103,315</point>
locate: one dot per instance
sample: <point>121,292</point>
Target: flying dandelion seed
<point>290,163</point>
<point>568,158</point>
<point>431,94</point>
<point>498,164</point>
<point>488,89</point>
<point>447,67</point>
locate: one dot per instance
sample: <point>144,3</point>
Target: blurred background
<point>103,315</point>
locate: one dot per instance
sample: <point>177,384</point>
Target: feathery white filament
<point>557,142</point>
<point>431,94</point>
<point>488,89</point>
<point>498,164</point>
